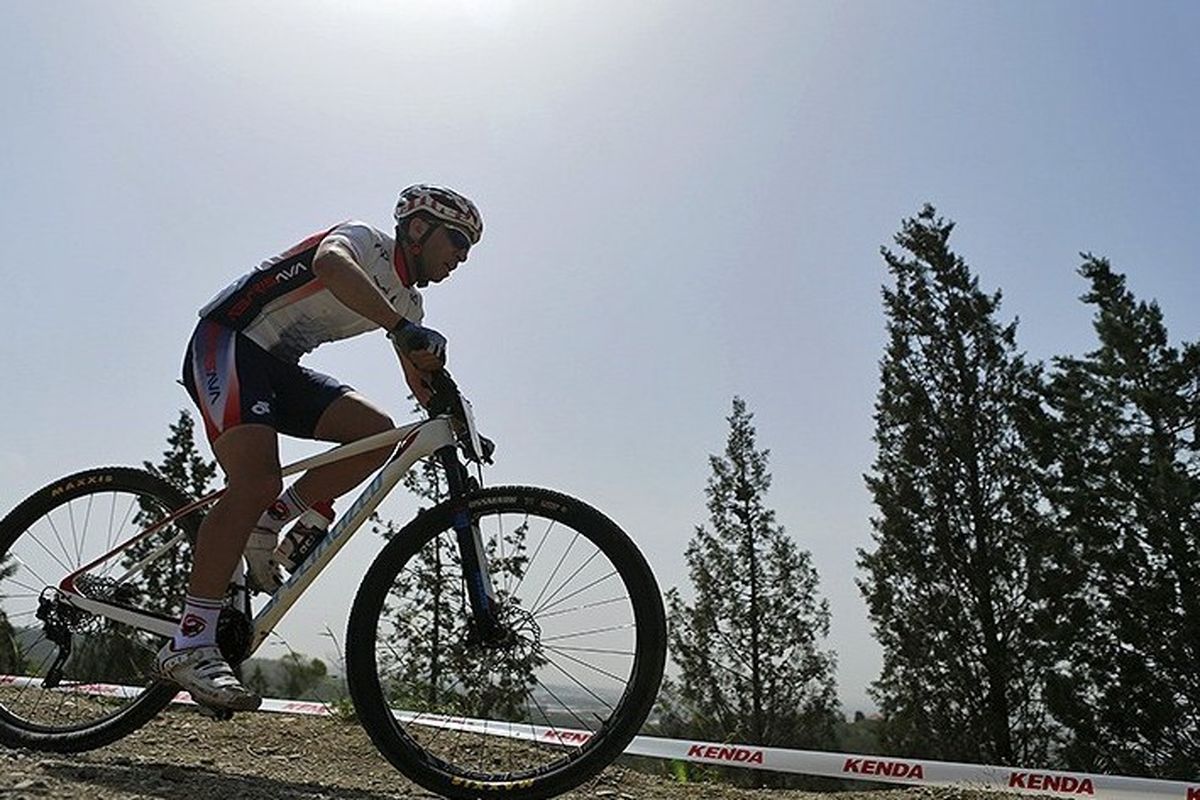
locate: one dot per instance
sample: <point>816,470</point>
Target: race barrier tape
<point>883,769</point>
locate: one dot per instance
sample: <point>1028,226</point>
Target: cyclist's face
<point>441,254</point>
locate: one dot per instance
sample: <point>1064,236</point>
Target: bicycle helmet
<point>443,204</point>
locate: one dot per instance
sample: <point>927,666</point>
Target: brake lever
<point>473,437</point>
<point>486,448</point>
<point>447,399</point>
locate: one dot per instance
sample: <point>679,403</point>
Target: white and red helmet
<point>444,204</point>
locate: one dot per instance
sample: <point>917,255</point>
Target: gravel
<point>182,754</point>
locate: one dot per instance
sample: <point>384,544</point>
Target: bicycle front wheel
<point>71,680</point>
<point>539,710</point>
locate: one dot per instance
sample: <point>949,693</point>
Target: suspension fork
<point>484,607</point>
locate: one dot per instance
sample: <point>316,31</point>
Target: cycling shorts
<point>233,381</point>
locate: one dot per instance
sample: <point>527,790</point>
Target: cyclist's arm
<point>336,268</point>
<point>340,273</point>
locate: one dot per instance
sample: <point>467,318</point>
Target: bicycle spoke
<point>431,714</point>
<point>545,716</point>
<point>592,632</point>
<point>66,569</point>
<point>533,558</point>
<point>62,699</point>
<point>500,537</point>
<point>112,562</point>
<point>33,591</point>
<point>570,578</point>
<point>600,650</point>
<point>566,708</point>
<point>57,538</point>
<point>41,672</point>
<point>557,567</point>
<point>112,533</point>
<point>575,593</point>
<point>74,530</point>
<point>592,667</point>
<point>87,517</point>
<point>584,607</point>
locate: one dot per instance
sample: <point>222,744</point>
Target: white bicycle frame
<point>417,440</point>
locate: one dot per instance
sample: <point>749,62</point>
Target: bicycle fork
<point>485,610</point>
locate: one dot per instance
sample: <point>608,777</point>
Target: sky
<point>684,202</point>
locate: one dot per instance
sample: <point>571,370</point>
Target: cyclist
<point>241,369</point>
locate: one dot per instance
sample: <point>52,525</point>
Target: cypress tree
<point>11,662</point>
<point>165,579</point>
<point>1122,577</point>
<point>748,647</point>
<point>947,584</point>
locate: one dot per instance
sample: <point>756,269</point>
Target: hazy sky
<point>684,201</point>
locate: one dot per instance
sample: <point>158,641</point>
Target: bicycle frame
<point>416,441</point>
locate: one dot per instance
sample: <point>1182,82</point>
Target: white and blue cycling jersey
<point>285,309</point>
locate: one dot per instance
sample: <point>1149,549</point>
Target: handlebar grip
<point>445,398</point>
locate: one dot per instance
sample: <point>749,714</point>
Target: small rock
<point>32,783</point>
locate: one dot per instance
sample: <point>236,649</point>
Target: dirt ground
<point>183,755</point>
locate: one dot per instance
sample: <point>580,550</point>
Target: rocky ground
<point>182,755</point>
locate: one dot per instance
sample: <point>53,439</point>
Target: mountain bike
<point>508,641</point>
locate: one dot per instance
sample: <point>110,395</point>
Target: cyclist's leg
<point>229,386</point>
<point>230,380</point>
<point>346,419</point>
<point>249,455</point>
<point>311,405</point>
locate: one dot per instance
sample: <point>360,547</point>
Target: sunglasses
<point>457,238</point>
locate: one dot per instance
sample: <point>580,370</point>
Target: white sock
<point>289,506</point>
<point>198,626</point>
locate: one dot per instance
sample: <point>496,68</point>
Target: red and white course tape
<point>805,762</point>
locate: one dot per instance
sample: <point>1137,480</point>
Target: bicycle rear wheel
<point>553,703</point>
<point>71,680</point>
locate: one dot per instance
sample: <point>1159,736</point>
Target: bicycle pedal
<point>219,714</point>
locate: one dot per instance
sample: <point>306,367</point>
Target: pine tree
<point>1122,578</point>
<point>182,465</point>
<point>11,662</point>
<point>947,585</point>
<point>747,647</point>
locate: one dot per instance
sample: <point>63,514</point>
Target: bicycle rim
<point>551,704</point>
<point>77,680</point>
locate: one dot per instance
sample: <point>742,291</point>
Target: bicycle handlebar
<point>448,400</point>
